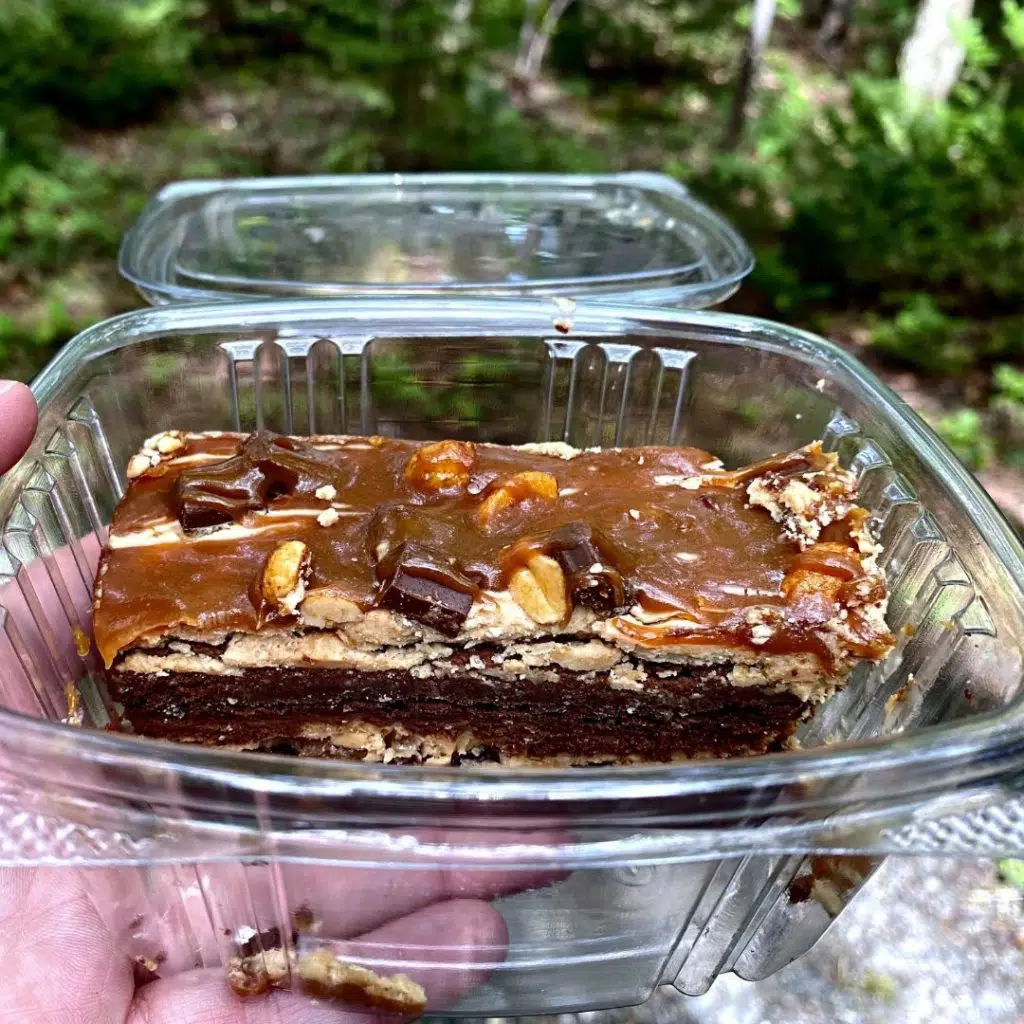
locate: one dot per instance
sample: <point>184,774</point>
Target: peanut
<point>516,489</point>
<point>284,577</point>
<point>169,444</point>
<point>539,589</point>
<point>322,608</point>
<point>137,465</point>
<point>165,443</point>
<point>442,466</point>
<point>805,582</point>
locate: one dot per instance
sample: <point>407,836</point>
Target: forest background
<point>874,158</point>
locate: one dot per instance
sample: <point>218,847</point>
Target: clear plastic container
<point>507,892</point>
<point>629,237</point>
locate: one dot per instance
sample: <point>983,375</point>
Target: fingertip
<point>450,948</point>
<point>18,418</point>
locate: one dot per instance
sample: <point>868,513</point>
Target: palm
<point>67,936</point>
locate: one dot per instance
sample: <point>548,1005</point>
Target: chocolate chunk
<point>591,581</point>
<point>420,584</point>
<point>194,515</point>
<point>392,525</point>
<point>426,600</point>
<point>269,939</point>
<point>267,467</point>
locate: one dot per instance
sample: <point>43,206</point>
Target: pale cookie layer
<point>541,661</point>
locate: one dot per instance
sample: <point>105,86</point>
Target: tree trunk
<point>760,27</point>
<point>535,36</point>
<point>833,31</point>
<point>932,57</point>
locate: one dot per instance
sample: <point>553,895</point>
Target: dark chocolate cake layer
<point>460,714</point>
<point>452,602</point>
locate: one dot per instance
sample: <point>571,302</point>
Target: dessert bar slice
<point>442,603</point>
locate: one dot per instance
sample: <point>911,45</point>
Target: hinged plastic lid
<point>628,237</point>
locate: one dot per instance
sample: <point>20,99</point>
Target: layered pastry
<point>448,603</point>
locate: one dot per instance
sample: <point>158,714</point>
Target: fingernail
<point>6,385</point>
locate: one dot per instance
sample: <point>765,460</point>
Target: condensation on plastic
<point>634,237</point>
<point>609,881</point>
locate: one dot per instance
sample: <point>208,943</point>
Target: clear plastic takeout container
<point>635,237</point>
<point>505,892</point>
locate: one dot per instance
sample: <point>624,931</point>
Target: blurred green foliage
<point>964,432</point>
<point>1012,872</point>
<point>862,206</point>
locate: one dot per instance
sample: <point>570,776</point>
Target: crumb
<point>634,513</point>
<point>326,493</point>
<point>909,629</point>
<point>688,483</point>
<point>145,968</point>
<point>324,976</point>
<point>82,644</point>
<point>566,308</point>
<point>73,696</point>
<point>899,696</point>
<point>304,921</point>
<point>328,517</point>
<point>257,975</point>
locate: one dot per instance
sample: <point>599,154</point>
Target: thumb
<point>17,422</point>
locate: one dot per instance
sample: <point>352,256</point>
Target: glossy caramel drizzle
<point>393,523</point>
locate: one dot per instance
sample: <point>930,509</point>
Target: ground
<point>927,941</point>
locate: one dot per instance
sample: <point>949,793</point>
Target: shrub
<point>964,432</point>
<point>98,62</point>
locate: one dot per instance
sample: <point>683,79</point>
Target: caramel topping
<point>423,529</point>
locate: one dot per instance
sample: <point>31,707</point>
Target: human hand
<point>17,422</point>
<point>79,944</point>
<point>66,935</point>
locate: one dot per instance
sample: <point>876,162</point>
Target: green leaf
<point>1013,24</point>
<point>964,432</point>
<point>971,36</point>
<point>1012,872</point>
<point>1009,383</point>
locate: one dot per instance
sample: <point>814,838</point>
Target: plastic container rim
<point>934,745</point>
<point>131,243</point>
